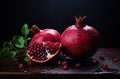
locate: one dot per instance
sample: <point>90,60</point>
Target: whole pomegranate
<point>80,41</point>
<point>44,45</point>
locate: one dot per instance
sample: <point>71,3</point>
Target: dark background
<point>58,14</point>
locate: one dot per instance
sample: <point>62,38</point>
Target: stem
<point>35,29</point>
<point>79,21</point>
<point>25,41</point>
<point>20,50</point>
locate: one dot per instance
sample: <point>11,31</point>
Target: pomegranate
<point>44,35</point>
<point>80,41</point>
<point>44,45</point>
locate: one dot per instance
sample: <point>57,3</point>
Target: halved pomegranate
<point>43,51</point>
<point>44,45</point>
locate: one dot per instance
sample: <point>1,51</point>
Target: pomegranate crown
<point>35,29</point>
<point>79,21</point>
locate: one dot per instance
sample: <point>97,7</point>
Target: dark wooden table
<point>87,70</point>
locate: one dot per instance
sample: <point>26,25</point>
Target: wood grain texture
<point>86,71</point>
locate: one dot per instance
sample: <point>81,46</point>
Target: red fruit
<point>29,63</point>
<point>104,67</point>
<point>102,57</point>
<point>59,63</point>
<point>65,67</point>
<point>95,62</point>
<point>65,63</point>
<point>80,40</point>
<point>77,65</point>
<point>44,45</point>
<point>20,66</point>
<point>115,59</point>
<point>44,35</point>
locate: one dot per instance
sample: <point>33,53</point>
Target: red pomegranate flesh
<point>44,45</point>
<point>80,41</point>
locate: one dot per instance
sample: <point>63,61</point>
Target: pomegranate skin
<point>80,41</point>
<point>45,35</point>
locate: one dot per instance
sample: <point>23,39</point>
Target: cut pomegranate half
<point>42,51</point>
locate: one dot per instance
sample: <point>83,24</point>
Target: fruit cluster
<point>78,41</point>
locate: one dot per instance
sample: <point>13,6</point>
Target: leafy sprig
<point>17,45</point>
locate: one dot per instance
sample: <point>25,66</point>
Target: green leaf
<point>6,44</point>
<point>12,54</point>
<point>26,58</point>
<point>18,41</point>
<point>4,51</point>
<point>25,29</point>
<point>11,44</point>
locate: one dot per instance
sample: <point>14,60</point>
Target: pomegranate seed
<point>20,66</point>
<point>102,57</point>
<point>77,65</point>
<point>95,61</point>
<point>65,63</point>
<point>59,63</point>
<point>29,63</point>
<point>104,67</point>
<point>115,59</point>
<point>65,67</point>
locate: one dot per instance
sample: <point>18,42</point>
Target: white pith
<point>46,50</point>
